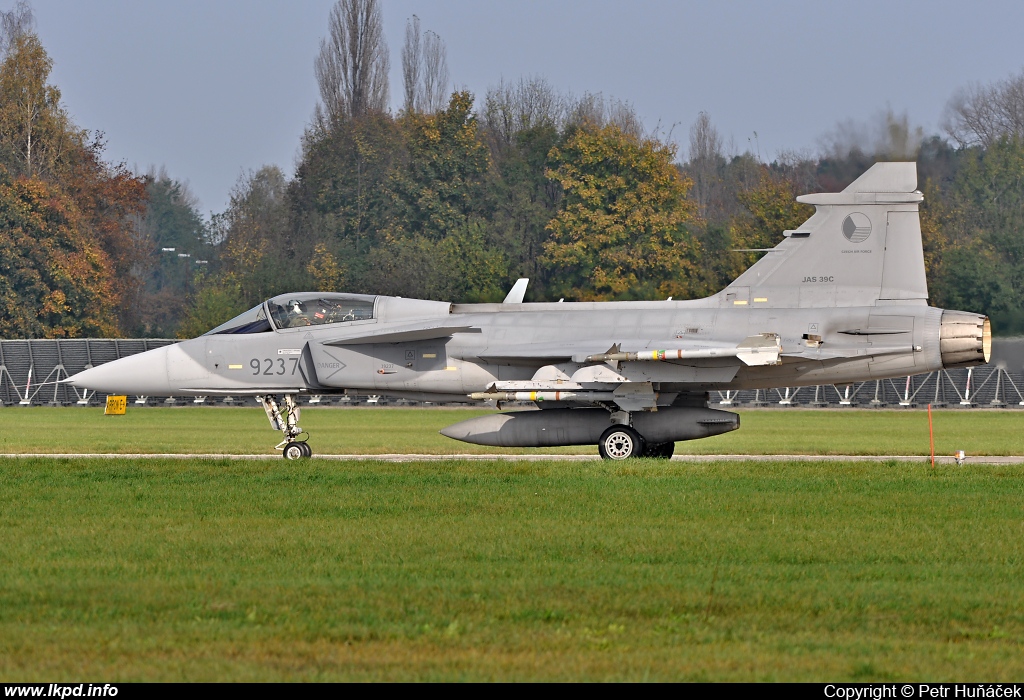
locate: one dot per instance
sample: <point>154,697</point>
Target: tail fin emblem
<point>856,227</point>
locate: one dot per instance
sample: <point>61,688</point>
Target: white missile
<point>542,396</point>
<point>761,349</point>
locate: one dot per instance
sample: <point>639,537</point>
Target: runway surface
<point>943,459</point>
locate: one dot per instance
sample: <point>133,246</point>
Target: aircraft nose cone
<point>144,374</point>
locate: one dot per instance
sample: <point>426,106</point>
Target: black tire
<point>659,450</point>
<point>620,442</point>
<point>307,451</point>
<point>652,450</point>
<point>293,451</point>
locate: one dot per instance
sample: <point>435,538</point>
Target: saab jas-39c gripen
<point>842,298</point>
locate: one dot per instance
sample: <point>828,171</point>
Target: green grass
<point>235,570</point>
<point>413,430</point>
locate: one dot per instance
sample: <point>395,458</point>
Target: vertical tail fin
<point>862,247</point>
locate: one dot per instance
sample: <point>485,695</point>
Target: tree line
<point>68,243</point>
<point>454,196</point>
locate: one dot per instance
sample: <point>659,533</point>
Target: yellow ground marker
<point>116,406</point>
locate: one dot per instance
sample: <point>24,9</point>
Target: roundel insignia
<point>856,227</point>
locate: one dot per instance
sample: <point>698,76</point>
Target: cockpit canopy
<point>298,311</point>
<point>252,321</point>
<point>318,309</point>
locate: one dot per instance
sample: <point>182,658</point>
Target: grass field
<point>236,570</point>
<point>455,570</point>
<point>411,430</point>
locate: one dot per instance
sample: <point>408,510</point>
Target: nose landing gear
<point>284,416</point>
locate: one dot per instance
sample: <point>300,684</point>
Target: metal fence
<point>30,371</point>
<point>984,386</point>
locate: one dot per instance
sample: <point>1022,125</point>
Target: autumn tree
<point>340,196</point>
<point>328,274</point>
<point>435,73</point>
<point>980,264</point>
<point>595,110</point>
<point>111,198</point>
<point>981,115</point>
<point>766,209</point>
<point>886,136</point>
<point>14,23</point>
<point>424,70</point>
<point>55,280</point>
<point>170,227</point>
<point>257,253</point>
<point>462,266</point>
<point>513,108</point>
<point>256,245</point>
<point>436,189</point>
<point>521,123</point>
<point>412,64</point>
<point>36,135</point>
<point>770,208</point>
<point>620,233</point>
<point>352,66</point>
<point>43,151</point>
<point>705,164</point>
<point>435,226</point>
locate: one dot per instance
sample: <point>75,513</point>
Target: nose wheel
<point>284,417</point>
<point>296,450</point>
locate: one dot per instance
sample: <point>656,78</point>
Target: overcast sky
<point>211,89</point>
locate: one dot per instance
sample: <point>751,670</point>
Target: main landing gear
<point>284,416</point>
<point>623,442</point>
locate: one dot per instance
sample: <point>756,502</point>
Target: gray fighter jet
<point>841,299</point>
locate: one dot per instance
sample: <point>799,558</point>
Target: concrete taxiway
<point>939,459</point>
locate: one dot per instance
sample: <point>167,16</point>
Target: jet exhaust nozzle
<point>965,339</point>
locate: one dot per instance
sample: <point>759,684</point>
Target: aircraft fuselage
<point>509,343</point>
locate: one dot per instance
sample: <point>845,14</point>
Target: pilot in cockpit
<point>297,314</point>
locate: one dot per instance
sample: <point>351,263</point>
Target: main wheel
<point>293,450</point>
<point>620,442</point>
<point>659,450</point>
